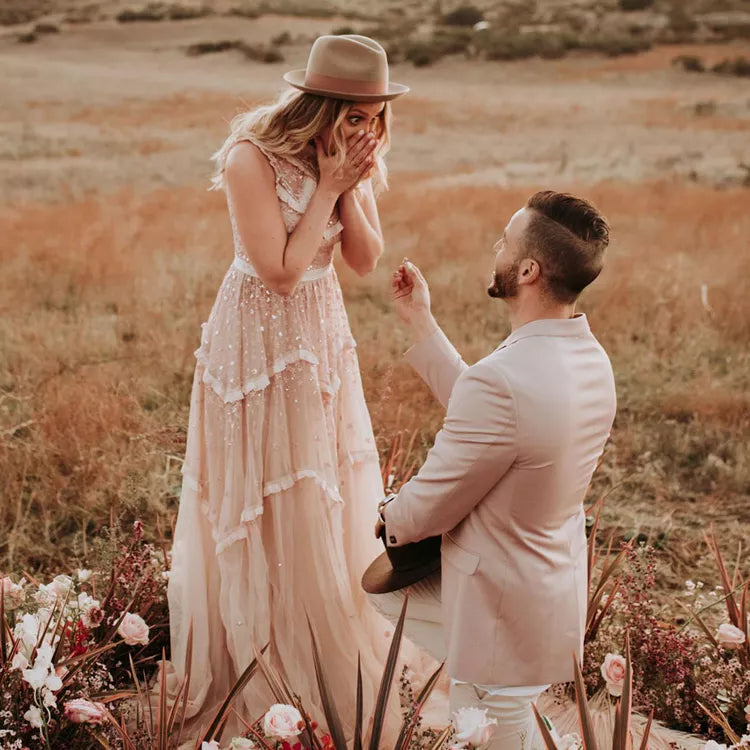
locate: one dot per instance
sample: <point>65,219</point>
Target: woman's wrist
<point>328,191</point>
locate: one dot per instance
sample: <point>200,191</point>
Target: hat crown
<point>413,555</point>
<point>347,66</point>
<point>350,57</point>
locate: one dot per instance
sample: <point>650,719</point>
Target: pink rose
<point>613,672</point>
<point>729,636</point>
<point>473,726</point>
<point>133,630</point>
<point>81,711</point>
<point>283,722</point>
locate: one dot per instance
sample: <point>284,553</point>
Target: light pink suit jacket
<point>504,483</point>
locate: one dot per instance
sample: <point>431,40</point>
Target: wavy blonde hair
<point>287,126</point>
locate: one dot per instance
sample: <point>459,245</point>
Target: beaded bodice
<point>296,180</point>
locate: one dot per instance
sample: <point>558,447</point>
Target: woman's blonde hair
<point>287,126</point>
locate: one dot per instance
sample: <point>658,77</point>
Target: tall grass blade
<point>387,680</point>
<point>357,741</point>
<point>277,688</point>
<point>584,716</point>
<point>626,702</point>
<point>647,731</point>
<point>140,697</point>
<point>3,625</point>
<point>549,743</point>
<point>617,731</point>
<point>732,608</point>
<point>718,716</point>
<point>441,738</point>
<point>162,736</point>
<point>329,707</point>
<point>127,742</point>
<point>188,674</point>
<point>243,679</point>
<point>695,616</point>
<point>407,730</point>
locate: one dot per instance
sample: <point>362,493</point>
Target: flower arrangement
<point>79,652</point>
<point>695,674</point>
<point>63,644</point>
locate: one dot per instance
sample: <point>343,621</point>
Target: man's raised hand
<point>410,293</point>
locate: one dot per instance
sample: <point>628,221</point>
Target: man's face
<point>508,255</point>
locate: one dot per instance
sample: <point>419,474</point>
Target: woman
<point>281,474</point>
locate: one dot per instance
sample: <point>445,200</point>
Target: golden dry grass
<point>102,300</point>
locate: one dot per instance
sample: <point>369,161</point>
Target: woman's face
<point>363,116</point>
<point>366,116</point>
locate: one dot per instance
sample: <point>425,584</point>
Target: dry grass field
<point>112,251</point>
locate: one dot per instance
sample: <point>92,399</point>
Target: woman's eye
<point>354,120</point>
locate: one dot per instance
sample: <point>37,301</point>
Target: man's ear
<point>528,271</point>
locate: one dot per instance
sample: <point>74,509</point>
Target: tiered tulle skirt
<point>281,482</point>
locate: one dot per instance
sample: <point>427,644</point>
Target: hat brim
<point>296,78</point>
<point>381,578</point>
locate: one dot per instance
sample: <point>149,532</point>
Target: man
<point>505,480</point>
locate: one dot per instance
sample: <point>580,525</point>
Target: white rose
<point>213,745</point>
<point>711,745</point>
<point>473,726</point>
<point>133,630</point>
<point>613,672</point>
<point>83,574</point>
<point>729,636</point>
<point>46,596</point>
<point>19,662</point>
<point>27,630</point>
<point>283,722</point>
<point>34,717</point>
<point>44,656</point>
<point>61,585</point>
<point>242,743</point>
<point>13,594</point>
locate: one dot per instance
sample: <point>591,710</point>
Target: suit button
<point>392,539</point>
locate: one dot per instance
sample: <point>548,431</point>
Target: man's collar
<point>578,325</point>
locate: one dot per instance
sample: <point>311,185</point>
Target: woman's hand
<point>358,161</point>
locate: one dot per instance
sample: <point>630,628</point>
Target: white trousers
<point>510,706</point>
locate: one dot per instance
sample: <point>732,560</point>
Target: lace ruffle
<point>259,383</point>
<point>225,539</point>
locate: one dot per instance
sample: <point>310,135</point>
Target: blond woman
<point>281,472</point>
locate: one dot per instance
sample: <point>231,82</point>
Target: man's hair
<point>567,236</point>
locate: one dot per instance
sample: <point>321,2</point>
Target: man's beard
<point>504,284</point>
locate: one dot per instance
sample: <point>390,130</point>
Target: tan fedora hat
<point>349,67</point>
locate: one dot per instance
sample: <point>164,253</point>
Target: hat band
<point>345,85</point>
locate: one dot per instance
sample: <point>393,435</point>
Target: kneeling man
<point>505,481</point>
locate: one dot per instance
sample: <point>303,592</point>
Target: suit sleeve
<point>473,450</point>
<point>438,364</point>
